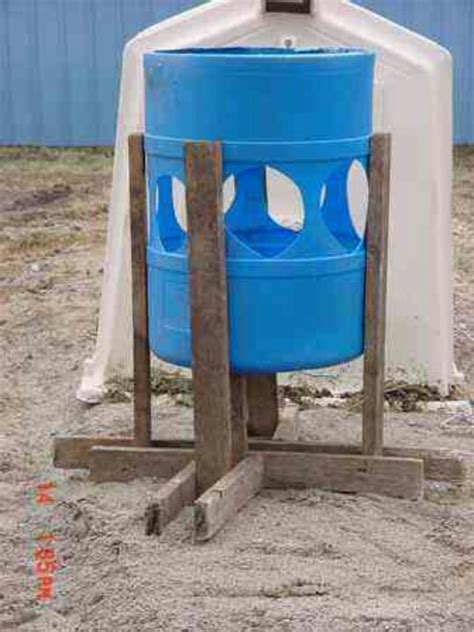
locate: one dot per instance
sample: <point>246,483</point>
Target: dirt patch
<point>291,560</point>
<point>174,384</point>
<point>399,397</point>
<point>41,197</point>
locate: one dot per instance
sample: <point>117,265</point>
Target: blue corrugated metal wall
<point>60,66</point>
<point>60,61</point>
<point>451,24</point>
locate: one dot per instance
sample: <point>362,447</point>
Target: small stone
<point>330,402</point>
<point>308,402</point>
<point>98,597</point>
<point>184,399</point>
<point>448,406</point>
<point>163,400</point>
<point>35,267</point>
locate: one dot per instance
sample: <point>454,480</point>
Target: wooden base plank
<point>399,477</point>
<point>109,463</point>
<point>175,494</point>
<point>224,499</point>
<point>388,476</point>
<point>440,464</point>
<point>72,453</point>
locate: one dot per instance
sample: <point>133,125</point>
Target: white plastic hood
<point>412,101</point>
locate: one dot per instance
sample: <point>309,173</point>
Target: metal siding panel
<point>51,74</point>
<point>467,86</point>
<point>60,66</point>
<point>24,112</point>
<point>456,35</point>
<point>108,63</point>
<point>167,8</point>
<point>60,61</point>
<point>451,24</point>
<point>133,16</point>
<point>6,118</point>
<point>81,72</point>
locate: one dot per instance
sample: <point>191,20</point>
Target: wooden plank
<point>375,294</point>
<point>141,346</point>
<point>209,315</point>
<point>224,499</point>
<point>388,476</point>
<point>108,463</point>
<point>74,452</point>
<point>440,464</point>
<point>175,494</point>
<point>466,483</point>
<point>240,415</point>
<point>262,393</point>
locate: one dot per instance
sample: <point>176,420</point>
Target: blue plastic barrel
<point>296,295</point>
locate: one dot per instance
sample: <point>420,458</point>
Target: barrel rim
<point>261,53</point>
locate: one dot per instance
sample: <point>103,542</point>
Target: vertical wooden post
<point>141,347</point>
<point>209,317</point>
<point>262,394</point>
<point>262,390</point>
<point>375,294</point>
<point>240,417</point>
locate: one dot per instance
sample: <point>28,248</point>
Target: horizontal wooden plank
<point>339,472</point>
<point>388,476</point>
<point>440,464</point>
<point>175,494</point>
<point>109,463</point>
<point>224,499</point>
<point>74,452</point>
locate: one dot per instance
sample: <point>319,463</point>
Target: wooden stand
<point>222,469</point>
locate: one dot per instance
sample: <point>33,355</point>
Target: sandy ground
<point>291,560</point>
